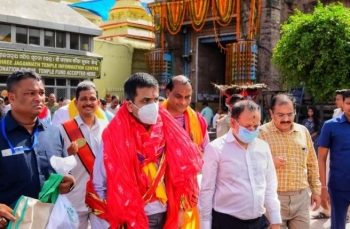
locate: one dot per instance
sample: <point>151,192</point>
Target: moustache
<point>90,106</point>
<point>287,122</point>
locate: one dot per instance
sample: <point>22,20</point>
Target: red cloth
<point>125,140</point>
<point>44,112</point>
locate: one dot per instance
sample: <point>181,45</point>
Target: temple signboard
<point>56,65</point>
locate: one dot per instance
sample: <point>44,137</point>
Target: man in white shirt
<point>82,138</point>
<point>239,179</point>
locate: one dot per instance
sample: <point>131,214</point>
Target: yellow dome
<point>130,22</point>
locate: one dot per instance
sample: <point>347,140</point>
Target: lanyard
<point>18,148</point>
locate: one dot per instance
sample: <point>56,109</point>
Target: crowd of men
<point>146,164</point>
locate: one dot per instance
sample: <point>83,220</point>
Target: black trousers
<point>224,221</point>
<point>156,221</point>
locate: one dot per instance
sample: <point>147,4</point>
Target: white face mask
<point>148,114</point>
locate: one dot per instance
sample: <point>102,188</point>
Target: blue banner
<point>98,7</point>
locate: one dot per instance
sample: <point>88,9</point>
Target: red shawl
<point>125,139</point>
<point>44,113</point>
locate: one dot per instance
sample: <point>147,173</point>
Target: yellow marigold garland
<point>223,10</point>
<point>175,15</point>
<point>198,10</point>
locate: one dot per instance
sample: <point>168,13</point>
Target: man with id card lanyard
<point>295,161</point>
<point>26,144</point>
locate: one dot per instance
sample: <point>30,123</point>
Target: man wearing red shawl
<point>179,95</point>
<point>148,170</point>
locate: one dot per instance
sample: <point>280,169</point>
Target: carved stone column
<point>269,35</point>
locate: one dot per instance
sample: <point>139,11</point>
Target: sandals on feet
<point>321,215</point>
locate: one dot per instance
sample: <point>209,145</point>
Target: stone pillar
<point>269,35</point>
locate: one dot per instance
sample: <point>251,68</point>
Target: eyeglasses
<point>281,115</point>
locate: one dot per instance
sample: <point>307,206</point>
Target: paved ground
<point>322,224</point>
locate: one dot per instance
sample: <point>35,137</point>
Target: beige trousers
<point>295,209</point>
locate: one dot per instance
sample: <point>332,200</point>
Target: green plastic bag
<point>49,191</point>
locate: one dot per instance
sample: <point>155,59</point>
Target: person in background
<point>26,145</point>
<point>179,95</point>
<point>219,114</point>
<point>60,102</point>
<point>103,105</point>
<point>52,104</point>
<point>312,123</point>
<point>2,106</point>
<point>7,105</point>
<point>66,102</point>
<point>223,124</point>
<point>325,211</point>
<point>207,113</point>
<point>108,98</point>
<point>239,178</point>
<point>339,100</point>
<point>295,162</point>
<point>113,107</point>
<point>334,141</point>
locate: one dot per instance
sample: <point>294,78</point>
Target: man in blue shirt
<point>26,144</point>
<point>334,138</point>
<point>207,113</point>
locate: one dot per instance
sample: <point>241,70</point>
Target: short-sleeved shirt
<point>24,172</point>
<point>335,136</point>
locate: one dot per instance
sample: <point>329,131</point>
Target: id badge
<point>8,152</point>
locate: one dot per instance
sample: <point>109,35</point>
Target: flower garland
<point>171,14</point>
<point>241,57</point>
<point>156,11</point>
<point>222,11</point>
<point>175,15</point>
<point>217,39</point>
<point>198,10</point>
<point>254,18</point>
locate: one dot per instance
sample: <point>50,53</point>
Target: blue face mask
<point>247,136</point>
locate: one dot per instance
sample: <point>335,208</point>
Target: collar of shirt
<point>229,137</point>
<point>12,124</point>
<point>81,122</point>
<point>342,118</point>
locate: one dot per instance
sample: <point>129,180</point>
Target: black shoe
<point>321,215</point>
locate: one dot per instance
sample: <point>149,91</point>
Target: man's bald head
<point>179,95</point>
<point>180,79</point>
